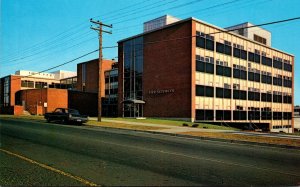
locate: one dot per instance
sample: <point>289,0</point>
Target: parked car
<point>66,115</point>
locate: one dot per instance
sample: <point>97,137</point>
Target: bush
<point>185,124</point>
<point>195,125</point>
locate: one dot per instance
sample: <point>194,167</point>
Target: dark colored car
<point>66,115</point>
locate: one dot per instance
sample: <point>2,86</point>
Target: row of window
<point>208,67</point>
<point>208,91</point>
<point>208,115</point>
<point>205,42</point>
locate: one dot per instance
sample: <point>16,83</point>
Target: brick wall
<point>34,99</point>
<point>167,65</point>
<point>91,82</point>
<point>86,103</point>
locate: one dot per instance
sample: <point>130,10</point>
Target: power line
<point>38,45</point>
<point>174,7</point>
<point>68,62</point>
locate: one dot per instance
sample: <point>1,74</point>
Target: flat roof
<point>205,23</point>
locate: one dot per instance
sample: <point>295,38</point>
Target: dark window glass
<point>239,115</point>
<point>285,99</point>
<point>199,90</point>
<point>243,95</point>
<point>228,50</point>
<point>204,115</point>
<point>279,98</point>
<point>243,75</point>
<point>250,76</point>
<point>209,91</point>
<point>251,96</point>
<point>227,93</point>
<point>210,45</point>
<point>269,97</point>
<point>200,42</point>
<point>288,67</point>
<point>200,115</point>
<point>220,47</point>
<point>277,64</point>
<point>275,81</point>
<point>227,71</point>
<point>263,97</point>
<point>200,66</point>
<point>240,94</point>
<point>209,68</point>
<point>236,73</point>
<point>223,115</point>
<point>257,77</point>
<point>244,54</point>
<point>236,52</point>
<point>266,61</point>
<point>269,80</point>
<point>256,96</point>
<point>279,81</point>
<point>256,58</point>
<point>251,56</point>
<point>209,114</point>
<point>264,78</point>
<point>219,92</point>
<point>219,70</point>
<point>236,94</point>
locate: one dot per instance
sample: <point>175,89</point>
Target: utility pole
<point>100,32</point>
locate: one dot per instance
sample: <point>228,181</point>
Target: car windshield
<point>72,111</point>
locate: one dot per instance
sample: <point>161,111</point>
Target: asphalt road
<point>35,153</point>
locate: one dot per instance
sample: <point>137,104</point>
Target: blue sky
<point>38,34</point>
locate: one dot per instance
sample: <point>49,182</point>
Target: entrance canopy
<point>133,101</point>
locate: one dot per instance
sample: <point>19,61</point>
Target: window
<point>223,71</point>
<point>209,68</point>
<point>228,50</point>
<point>205,41</point>
<point>244,54</point>
<point>277,64</point>
<point>288,67</point>
<point>200,66</point>
<point>260,39</point>
<point>266,61</point>
<point>250,76</point>
<point>223,115</point>
<point>239,115</point>
<point>210,45</point>
<point>251,57</point>
<point>223,93</point>
<point>236,52</point>
<point>257,58</point>
<point>204,114</point>
<point>207,91</point>
<point>220,47</point>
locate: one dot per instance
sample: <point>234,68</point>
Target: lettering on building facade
<point>162,91</point>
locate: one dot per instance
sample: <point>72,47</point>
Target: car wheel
<point>64,121</point>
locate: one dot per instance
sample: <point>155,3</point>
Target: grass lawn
<point>172,122</point>
<point>269,140</point>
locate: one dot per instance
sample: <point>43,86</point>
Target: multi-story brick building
<point>88,73</point>
<point>196,71</point>
<point>28,80</point>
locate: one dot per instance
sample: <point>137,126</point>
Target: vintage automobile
<point>66,115</point>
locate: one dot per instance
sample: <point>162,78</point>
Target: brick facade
<point>159,58</point>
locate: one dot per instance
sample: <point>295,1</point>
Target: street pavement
<point>34,153</point>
